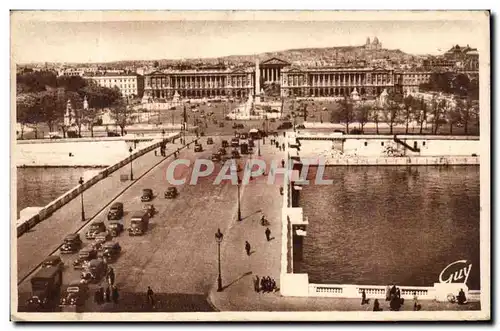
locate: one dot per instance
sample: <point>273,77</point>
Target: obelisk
<point>257,82</point>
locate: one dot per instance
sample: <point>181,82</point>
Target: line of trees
<point>400,110</point>
<point>42,98</point>
<point>452,83</point>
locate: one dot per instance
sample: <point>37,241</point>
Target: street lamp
<point>239,203</point>
<point>258,147</point>
<point>131,173</point>
<point>218,237</point>
<point>83,210</point>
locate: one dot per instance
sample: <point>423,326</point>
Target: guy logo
<point>455,272</point>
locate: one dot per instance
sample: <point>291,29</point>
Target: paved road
<point>177,256</point>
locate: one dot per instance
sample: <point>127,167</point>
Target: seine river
<point>36,187</point>
<point>391,225</point>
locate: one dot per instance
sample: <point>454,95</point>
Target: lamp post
<point>83,210</point>
<point>258,147</point>
<point>218,237</point>
<point>239,203</point>
<point>131,173</point>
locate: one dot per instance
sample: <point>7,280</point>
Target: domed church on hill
<point>375,44</point>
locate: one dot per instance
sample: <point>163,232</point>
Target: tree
<point>453,115</point>
<point>391,114</point>
<point>375,115</point>
<point>409,105</point>
<point>27,111</point>
<point>121,114</point>
<point>438,109</point>
<point>89,118</point>
<point>362,115</point>
<point>421,115</point>
<point>344,113</point>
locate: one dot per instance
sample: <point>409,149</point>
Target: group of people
<point>264,284</point>
<point>110,294</point>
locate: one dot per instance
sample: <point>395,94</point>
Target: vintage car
<point>216,157</point>
<point>222,151</point>
<point>53,261</point>
<point>138,223</point>
<point>150,209</point>
<point>71,244</point>
<point>94,271</point>
<point>147,195</point>
<point>221,124</point>
<point>243,136</point>
<point>235,142</point>
<point>198,148</point>
<point>171,192</point>
<point>225,144</point>
<point>84,256</point>
<point>74,296</point>
<point>95,228</point>
<point>210,141</point>
<point>116,211</point>
<point>45,287</point>
<point>235,154</point>
<point>110,251</point>
<point>251,143</point>
<point>101,238</point>
<point>115,228</point>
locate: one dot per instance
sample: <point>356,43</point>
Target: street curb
<point>108,204</point>
<point>211,303</point>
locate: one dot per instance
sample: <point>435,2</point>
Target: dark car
<point>150,209</point>
<point>216,157</point>
<point>251,143</point>
<point>94,271</point>
<point>113,134</point>
<point>72,243</point>
<point>101,238</point>
<point>210,141</point>
<point>171,192</point>
<point>235,142</point>
<point>95,228</point>
<point>222,151</point>
<point>53,261</point>
<point>221,124</point>
<point>74,296</point>
<point>285,126</point>
<point>147,195</point>
<point>115,228</point>
<point>235,154</point>
<point>198,148</point>
<point>300,126</point>
<point>110,251</point>
<point>225,144</point>
<point>116,211</point>
<point>85,255</point>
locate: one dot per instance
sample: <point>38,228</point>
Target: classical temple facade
<point>279,78</point>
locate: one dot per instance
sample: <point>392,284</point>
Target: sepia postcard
<point>250,166</point>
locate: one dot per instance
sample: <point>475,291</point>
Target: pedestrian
<point>279,148</point>
<point>282,163</point>
<point>415,301</point>
<point>376,305</point>
<point>247,247</point>
<point>149,294</point>
<point>283,146</point>
<point>388,293</point>
<point>461,299</point>
<point>108,294</point>
<point>268,234</point>
<point>115,295</point>
<point>111,276</point>
<point>98,297</point>
<point>263,284</point>
<point>363,297</point>
<point>256,284</point>
<point>398,293</point>
<point>156,154</point>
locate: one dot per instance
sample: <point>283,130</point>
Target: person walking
<point>111,276</point>
<point>115,295</point>
<point>256,283</point>
<point>149,294</point>
<point>282,163</point>
<point>98,297</point>
<point>268,234</point>
<point>388,293</point>
<point>108,294</point>
<point>247,247</point>
<point>363,297</point>
<point>376,305</point>
<point>415,301</point>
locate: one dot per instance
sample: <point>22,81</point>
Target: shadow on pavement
<point>237,279</point>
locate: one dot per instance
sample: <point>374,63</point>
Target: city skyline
<point>109,41</point>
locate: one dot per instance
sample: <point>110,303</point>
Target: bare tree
<point>344,114</point>
<point>121,114</point>
<point>438,110</point>
<point>362,115</point>
<point>454,115</point>
<point>421,114</point>
<point>408,108</point>
<point>392,114</point>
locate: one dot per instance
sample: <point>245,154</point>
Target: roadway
<point>177,255</point>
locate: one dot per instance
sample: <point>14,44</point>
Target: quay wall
<point>297,285</point>
<point>25,224</point>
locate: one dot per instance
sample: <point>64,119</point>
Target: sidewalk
<point>45,237</point>
<point>239,270</point>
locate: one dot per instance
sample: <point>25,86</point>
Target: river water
<point>391,225</point>
<point>38,186</point>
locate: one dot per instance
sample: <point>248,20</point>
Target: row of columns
<point>165,94</point>
<point>271,74</point>
<point>348,79</point>
<point>200,81</point>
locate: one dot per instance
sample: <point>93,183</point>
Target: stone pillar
<point>257,78</point>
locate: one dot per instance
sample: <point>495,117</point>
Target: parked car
<point>222,151</point>
<point>235,142</point>
<point>171,192</point>
<point>53,261</point>
<point>85,255</point>
<point>138,223</point>
<point>285,126</point>
<point>198,148</point>
<point>235,154</point>
<point>74,296</point>
<point>221,124</point>
<point>216,157</point>
<point>95,228</point>
<point>225,144</point>
<point>101,238</point>
<point>45,287</point>
<point>116,211</point>
<point>147,195</point>
<point>150,209</point>
<point>115,228</point>
<point>113,134</point>
<point>210,141</point>
<point>71,244</point>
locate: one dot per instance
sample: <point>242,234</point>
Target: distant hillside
<point>301,56</point>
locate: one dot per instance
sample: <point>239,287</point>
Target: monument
<point>355,95</point>
<point>382,99</point>
<point>176,97</point>
<point>257,82</point>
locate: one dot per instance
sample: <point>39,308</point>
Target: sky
<point>64,40</point>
